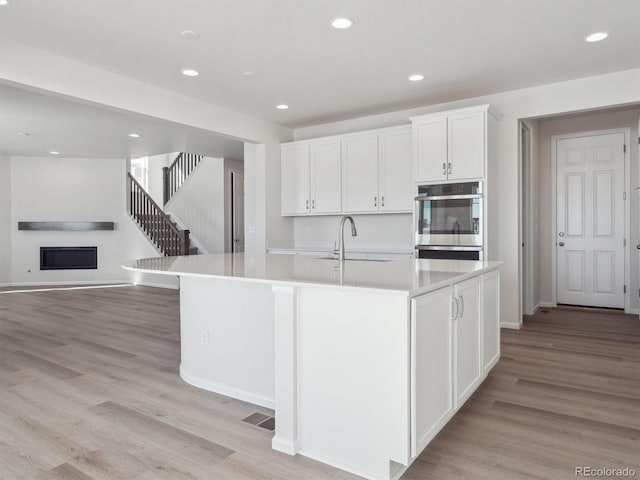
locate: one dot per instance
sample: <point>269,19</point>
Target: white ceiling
<point>81,130</point>
<point>463,47</point>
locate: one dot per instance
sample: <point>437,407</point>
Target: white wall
<point>568,124</point>
<point>384,232</point>
<point>620,88</point>
<point>199,204</point>
<point>65,189</point>
<point>5,220</point>
<point>32,68</point>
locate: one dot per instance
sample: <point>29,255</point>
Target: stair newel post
<point>185,242</point>
<point>165,185</point>
<point>128,206</point>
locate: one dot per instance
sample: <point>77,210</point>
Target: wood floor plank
<point>89,389</point>
<point>64,471</point>
<point>144,423</point>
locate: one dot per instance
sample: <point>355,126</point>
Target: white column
<point>286,370</point>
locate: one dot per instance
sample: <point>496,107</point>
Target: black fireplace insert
<point>68,258</point>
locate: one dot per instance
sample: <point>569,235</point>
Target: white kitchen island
<point>364,361</point>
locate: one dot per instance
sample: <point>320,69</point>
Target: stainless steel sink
<point>355,259</point>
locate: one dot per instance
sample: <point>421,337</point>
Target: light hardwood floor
<point>89,389</point>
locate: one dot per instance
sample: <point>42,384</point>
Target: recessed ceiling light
<point>248,74</point>
<point>190,34</point>
<point>189,72</point>
<point>4,2</point>
<point>596,37</point>
<point>282,106</point>
<point>134,135</point>
<point>416,77</point>
<point>341,23</point>
<point>53,152</point>
<point>24,134</point>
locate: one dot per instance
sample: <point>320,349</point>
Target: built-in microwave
<point>449,215</point>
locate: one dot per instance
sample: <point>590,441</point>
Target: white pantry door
<point>590,220</point>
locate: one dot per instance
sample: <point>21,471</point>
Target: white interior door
<point>590,220</point>
<point>237,179</point>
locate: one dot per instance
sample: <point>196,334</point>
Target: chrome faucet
<point>354,233</point>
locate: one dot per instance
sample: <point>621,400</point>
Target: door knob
<point>638,246</point>
<point>561,244</point>
<point>561,234</point>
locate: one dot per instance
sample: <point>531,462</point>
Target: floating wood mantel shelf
<point>66,226</point>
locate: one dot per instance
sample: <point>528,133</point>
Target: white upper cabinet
<point>295,179</point>
<point>311,178</point>
<point>326,177</point>
<point>396,187</point>
<point>430,149</point>
<point>368,172</point>
<point>360,173</point>
<point>466,144</point>
<point>450,145</point>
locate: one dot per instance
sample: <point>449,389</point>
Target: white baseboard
<point>547,305</point>
<point>158,285</point>
<point>633,311</point>
<point>69,283</point>
<point>373,475</point>
<point>285,446</point>
<point>227,390</point>
<point>510,325</point>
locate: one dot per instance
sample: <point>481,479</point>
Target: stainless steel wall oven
<point>449,219</point>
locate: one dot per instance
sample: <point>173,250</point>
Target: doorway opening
<point>579,189</point>
<point>237,211</point>
<point>526,222</point>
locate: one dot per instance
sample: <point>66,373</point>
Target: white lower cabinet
<point>431,366</point>
<point>490,320</point>
<point>455,341</point>
<point>467,370</point>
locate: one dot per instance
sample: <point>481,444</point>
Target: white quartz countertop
<point>408,276</point>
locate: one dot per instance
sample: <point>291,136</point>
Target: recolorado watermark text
<point>604,472</point>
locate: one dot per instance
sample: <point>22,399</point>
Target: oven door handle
<point>422,198</point>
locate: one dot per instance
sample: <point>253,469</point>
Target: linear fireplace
<point>68,258</point>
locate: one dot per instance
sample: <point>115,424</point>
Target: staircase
<point>157,225</point>
<point>177,173</point>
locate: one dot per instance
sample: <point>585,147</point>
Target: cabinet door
<point>396,185</point>
<point>490,320</point>
<point>360,173</point>
<point>466,341</point>
<point>431,366</point>
<point>295,179</point>
<point>466,145</point>
<point>326,185</point>
<point>430,149</point>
